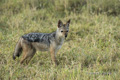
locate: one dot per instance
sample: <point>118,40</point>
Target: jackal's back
<point>40,41</point>
<point>39,37</point>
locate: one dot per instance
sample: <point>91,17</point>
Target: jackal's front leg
<point>52,52</point>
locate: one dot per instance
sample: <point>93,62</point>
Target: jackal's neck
<point>59,39</point>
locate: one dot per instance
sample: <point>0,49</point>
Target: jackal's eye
<point>66,31</point>
<point>61,31</point>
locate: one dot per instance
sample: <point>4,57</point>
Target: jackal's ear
<point>68,21</point>
<point>60,23</point>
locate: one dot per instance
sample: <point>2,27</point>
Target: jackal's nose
<point>65,35</point>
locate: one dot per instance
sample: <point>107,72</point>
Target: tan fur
<point>52,52</point>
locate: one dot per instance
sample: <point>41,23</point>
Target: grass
<point>91,50</point>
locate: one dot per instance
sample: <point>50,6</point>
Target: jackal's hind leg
<point>31,54</point>
<point>27,55</point>
<point>23,57</point>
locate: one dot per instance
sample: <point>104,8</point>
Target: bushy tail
<point>18,50</point>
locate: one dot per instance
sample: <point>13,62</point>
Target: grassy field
<point>90,52</point>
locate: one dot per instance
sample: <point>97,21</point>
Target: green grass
<point>90,52</point>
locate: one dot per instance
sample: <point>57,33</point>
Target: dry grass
<point>91,51</point>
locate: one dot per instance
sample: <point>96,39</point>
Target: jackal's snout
<point>65,35</point>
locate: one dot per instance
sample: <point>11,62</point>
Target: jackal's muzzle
<point>65,35</point>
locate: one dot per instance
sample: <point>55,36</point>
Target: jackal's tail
<point>18,49</point>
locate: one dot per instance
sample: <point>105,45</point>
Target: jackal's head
<point>63,29</point>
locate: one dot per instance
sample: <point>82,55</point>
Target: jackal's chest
<point>59,45</point>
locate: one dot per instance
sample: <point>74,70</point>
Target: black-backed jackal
<point>52,42</point>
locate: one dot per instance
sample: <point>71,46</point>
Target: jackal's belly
<point>40,46</point>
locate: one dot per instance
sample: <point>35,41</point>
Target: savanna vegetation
<point>90,52</point>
